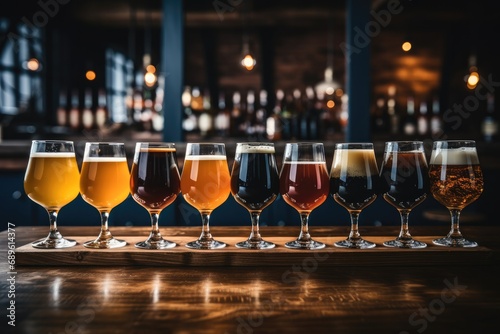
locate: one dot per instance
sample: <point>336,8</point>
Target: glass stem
<point>404,234</point>
<point>354,234</point>
<point>255,234</point>
<point>105,234</point>
<point>304,235</point>
<point>155,234</point>
<point>205,236</point>
<point>455,230</point>
<point>53,233</point>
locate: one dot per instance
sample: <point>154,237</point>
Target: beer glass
<point>205,185</point>
<point>354,185</point>
<point>51,180</point>
<point>405,178</point>
<point>154,184</point>
<point>104,183</point>
<point>304,185</point>
<point>456,180</point>
<point>255,185</point>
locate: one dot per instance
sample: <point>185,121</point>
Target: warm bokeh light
<point>33,64</point>
<point>339,92</point>
<point>90,75</point>
<point>248,62</point>
<point>149,79</point>
<point>473,80</point>
<point>329,90</point>
<point>330,104</point>
<point>151,69</point>
<point>406,46</point>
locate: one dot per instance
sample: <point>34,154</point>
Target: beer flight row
<point>354,180</point>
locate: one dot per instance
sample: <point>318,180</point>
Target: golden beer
<point>104,181</point>
<point>51,179</point>
<point>205,181</point>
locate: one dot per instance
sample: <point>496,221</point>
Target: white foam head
<point>354,162</point>
<point>104,159</point>
<point>206,157</point>
<point>52,154</point>
<point>454,156</point>
<point>246,148</point>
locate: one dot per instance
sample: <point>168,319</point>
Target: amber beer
<point>354,178</point>
<point>304,185</point>
<point>205,181</point>
<point>155,179</point>
<point>52,179</point>
<point>104,181</point>
<point>455,177</point>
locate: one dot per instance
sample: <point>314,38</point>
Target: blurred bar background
<point>247,70</point>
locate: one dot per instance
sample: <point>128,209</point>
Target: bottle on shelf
<point>489,126</point>
<point>286,117</point>
<point>261,116</point>
<point>409,127</point>
<point>147,111</point>
<point>157,121</point>
<point>87,113</point>
<point>423,121</point>
<point>236,115</point>
<point>74,112</point>
<point>190,120</point>
<point>62,109</point>
<point>392,110</point>
<point>205,121</point>
<point>436,120</point>
<point>273,121</point>
<point>223,117</point>
<point>249,124</point>
<point>101,114</point>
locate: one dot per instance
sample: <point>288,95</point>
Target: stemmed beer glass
<point>456,180</point>
<point>154,184</point>
<point>51,180</point>
<point>255,185</point>
<point>205,184</point>
<point>304,185</point>
<point>354,185</point>
<point>404,177</point>
<point>104,183</point>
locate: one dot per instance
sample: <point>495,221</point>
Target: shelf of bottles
<point>247,115</point>
<point>295,114</point>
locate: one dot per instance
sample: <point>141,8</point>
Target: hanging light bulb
<point>248,61</point>
<point>328,86</point>
<point>472,79</point>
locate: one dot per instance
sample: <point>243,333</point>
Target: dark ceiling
<point>444,32</point>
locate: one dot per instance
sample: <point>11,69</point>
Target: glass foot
<point>359,244</point>
<point>156,244</point>
<point>105,243</point>
<point>255,244</point>
<point>212,244</point>
<point>454,242</point>
<point>310,244</point>
<point>411,243</point>
<point>54,243</point>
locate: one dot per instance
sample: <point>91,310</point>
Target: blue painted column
<point>172,64</point>
<point>357,52</point>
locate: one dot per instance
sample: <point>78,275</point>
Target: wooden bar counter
<point>435,290</point>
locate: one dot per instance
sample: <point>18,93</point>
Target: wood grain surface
<point>305,296</point>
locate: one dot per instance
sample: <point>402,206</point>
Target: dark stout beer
<point>404,179</point>
<point>254,178</point>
